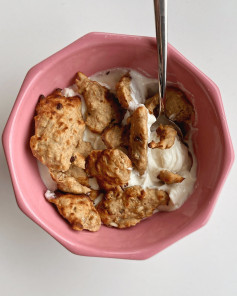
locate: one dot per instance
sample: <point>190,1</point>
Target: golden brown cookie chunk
<point>127,208</point>
<point>111,167</point>
<point>78,210</point>
<point>73,180</point>
<point>116,136</point>
<point>169,177</point>
<point>58,130</point>
<point>152,103</point>
<point>167,136</point>
<point>177,107</point>
<point>102,107</point>
<point>94,194</point>
<point>112,136</point>
<point>138,139</point>
<point>123,91</point>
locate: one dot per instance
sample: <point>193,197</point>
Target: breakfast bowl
<point>96,52</point>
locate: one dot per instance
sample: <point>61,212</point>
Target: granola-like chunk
<point>177,107</point>
<point>126,208</point>
<point>169,177</point>
<point>138,139</point>
<point>111,167</point>
<point>73,180</point>
<point>102,106</point>
<point>152,103</point>
<point>123,91</point>
<point>167,136</point>
<point>59,128</point>
<point>116,136</point>
<point>78,210</point>
<point>112,136</point>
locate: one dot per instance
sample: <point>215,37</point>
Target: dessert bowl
<point>92,53</point>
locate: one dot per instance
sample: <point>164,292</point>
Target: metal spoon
<point>160,7</point>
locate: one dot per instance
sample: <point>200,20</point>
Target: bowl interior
<point>91,55</point>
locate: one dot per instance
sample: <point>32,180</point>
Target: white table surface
<point>31,261</point>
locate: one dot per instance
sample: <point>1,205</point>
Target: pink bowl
<point>89,54</point>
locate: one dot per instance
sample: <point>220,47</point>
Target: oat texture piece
<point>152,103</point>
<point>177,107</point>
<point>123,91</point>
<point>169,177</point>
<point>116,136</point>
<point>59,128</point>
<point>138,140</point>
<point>167,135</point>
<point>78,210</point>
<point>112,136</point>
<point>102,106</point>
<point>94,194</point>
<point>73,180</point>
<point>111,167</point>
<point>126,208</point>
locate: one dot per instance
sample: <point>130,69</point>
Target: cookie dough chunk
<point>116,136</point>
<point>138,140</point>
<point>177,107</point>
<point>78,210</point>
<point>127,208</point>
<point>152,103</point>
<point>167,136</point>
<point>112,136</point>
<point>169,177</point>
<point>74,180</point>
<point>123,91</point>
<point>102,107</point>
<point>111,167</point>
<point>59,127</point>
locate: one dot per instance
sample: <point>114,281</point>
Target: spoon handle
<point>160,7</point>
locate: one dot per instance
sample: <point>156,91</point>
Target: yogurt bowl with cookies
<point>90,166</point>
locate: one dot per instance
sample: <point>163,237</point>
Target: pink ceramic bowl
<point>89,54</point>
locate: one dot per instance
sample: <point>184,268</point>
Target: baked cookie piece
<point>170,178</point>
<point>138,139</point>
<point>123,91</point>
<point>59,127</point>
<point>127,208</point>
<point>111,167</point>
<point>102,106</point>
<point>73,180</point>
<point>78,210</point>
<point>177,107</point>
<point>94,194</point>
<point>167,135</point>
<point>116,136</point>
<point>152,103</point>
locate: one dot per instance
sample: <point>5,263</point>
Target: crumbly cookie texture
<point>127,208</point>
<point>111,167</point>
<point>59,127</point>
<point>73,180</point>
<point>116,136</point>
<point>78,210</point>
<point>167,135</point>
<point>177,107</point>
<point>102,107</point>
<point>138,139</point>
<point>94,194</point>
<point>123,91</point>
<point>169,177</point>
<point>152,103</point>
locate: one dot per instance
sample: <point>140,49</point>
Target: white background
<point>32,262</point>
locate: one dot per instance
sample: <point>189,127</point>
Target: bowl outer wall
<point>92,53</point>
